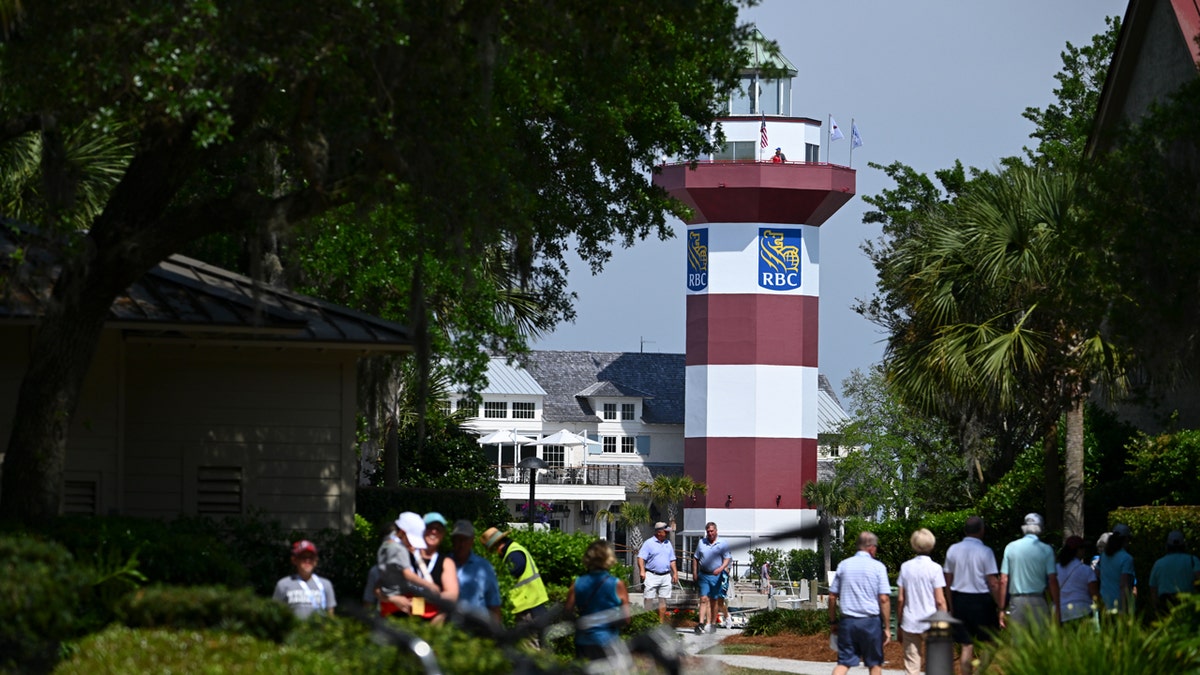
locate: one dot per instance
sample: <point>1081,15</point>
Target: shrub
<point>124,650</point>
<point>40,588</point>
<point>1150,525</point>
<point>207,607</point>
<point>789,621</point>
<point>1164,467</point>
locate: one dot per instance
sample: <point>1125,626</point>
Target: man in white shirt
<point>973,579</point>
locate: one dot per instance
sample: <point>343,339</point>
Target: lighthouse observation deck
<point>739,191</point>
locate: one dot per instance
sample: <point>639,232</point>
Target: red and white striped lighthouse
<point>753,282</point>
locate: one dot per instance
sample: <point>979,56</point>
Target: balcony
<point>562,482</point>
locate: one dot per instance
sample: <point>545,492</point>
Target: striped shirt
<point>859,582</point>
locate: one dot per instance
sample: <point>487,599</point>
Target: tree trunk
<point>825,543</point>
<point>391,455</point>
<point>61,353</point>
<point>1051,487</point>
<point>1073,479</point>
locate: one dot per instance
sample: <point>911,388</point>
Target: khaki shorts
<point>657,586</point>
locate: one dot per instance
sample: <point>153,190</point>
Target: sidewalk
<point>694,644</point>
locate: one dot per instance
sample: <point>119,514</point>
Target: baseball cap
<point>435,517</point>
<point>413,527</point>
<point>660,525</point>
<point>304,546</point>
<point>463,528</point>
<point>1122,530</point>
<point>1175,538</point>
<point>1033,519</point>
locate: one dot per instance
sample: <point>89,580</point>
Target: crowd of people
<point>1032,584</point>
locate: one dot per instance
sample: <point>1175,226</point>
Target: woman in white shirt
<point>921,592</point>
<point>1076,581</point>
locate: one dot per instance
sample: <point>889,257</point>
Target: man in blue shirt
<point>712,558</point>
<point>656,565</point>
<point>861,588</point>
<point>1026,573</point>
<point>477,583</point>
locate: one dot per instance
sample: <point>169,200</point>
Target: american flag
<point>762,139</point>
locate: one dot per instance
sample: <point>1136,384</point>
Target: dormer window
<point>610,411</point>
<point>627,410</point>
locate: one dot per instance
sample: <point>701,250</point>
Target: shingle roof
<point>182,297</point>
<point>565,374</point>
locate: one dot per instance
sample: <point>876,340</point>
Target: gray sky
<point>927,81</point>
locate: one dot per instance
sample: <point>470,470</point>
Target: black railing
<point>563,475</point>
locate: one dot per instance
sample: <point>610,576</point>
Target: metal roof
<point>505,378</point>
<point>761,57</point>
<point>185,298</point>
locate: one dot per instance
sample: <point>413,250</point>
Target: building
<point>209,395</point>
<point>631,406</point>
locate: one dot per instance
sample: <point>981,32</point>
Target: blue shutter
<point>643,445</point>
<point>594,449</point>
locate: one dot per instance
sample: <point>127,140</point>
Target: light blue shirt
<point>1110,570</point>
<point>658,555</point>
<point>477,584</point>
<point>1028,562</point>
<point>1175,572</point>
<point>858,583</point>
<point>710,556</point>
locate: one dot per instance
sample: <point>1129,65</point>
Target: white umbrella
<point>501,438</point>
<point>568,439</point>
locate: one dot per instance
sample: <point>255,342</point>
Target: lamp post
<point>939,643</point>
<point>533,463</point>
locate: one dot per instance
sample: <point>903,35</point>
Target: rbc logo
<point>779,259</point>
<point>697,260</point>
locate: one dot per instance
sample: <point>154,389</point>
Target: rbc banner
<point>778,259</point>
<point>697,260</point>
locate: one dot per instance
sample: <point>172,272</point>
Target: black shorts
<point>978,614</point>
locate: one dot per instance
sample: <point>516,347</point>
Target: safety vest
<point>529,591</point>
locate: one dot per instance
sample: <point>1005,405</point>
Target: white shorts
<point>657,586</point>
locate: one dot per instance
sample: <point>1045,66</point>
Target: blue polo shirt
<point>477,583</point>
<point>710,556</point>
<point>1028,562</point>
<point>859,582</point>
<point>658,555</point>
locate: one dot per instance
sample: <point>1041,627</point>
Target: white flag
<point>835,134</point>
<point>855,139</point>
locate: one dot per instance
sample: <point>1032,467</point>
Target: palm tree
<point>669,491</point>
<point>834,500</point>
<point>1005,312</point>
<point>631,517</point>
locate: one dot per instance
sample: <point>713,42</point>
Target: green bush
<point>40,590</point>
<point>124,650</point>
<point>789,621</point>
<point>207,607</point>
<point>804,564</point>
<point>1164,467</point>
<point>1150,525</point>
<point>894,547</point>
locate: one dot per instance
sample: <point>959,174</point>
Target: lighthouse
<point>752,250</point>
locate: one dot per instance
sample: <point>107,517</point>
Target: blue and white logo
<point>778,259</point>
<point>697,260</point>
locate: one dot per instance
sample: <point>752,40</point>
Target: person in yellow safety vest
<point>528,595</point>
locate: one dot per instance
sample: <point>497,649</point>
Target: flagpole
<point>828,142</point>
<point>851,142</point>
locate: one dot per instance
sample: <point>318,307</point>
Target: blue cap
<point>435,517</point>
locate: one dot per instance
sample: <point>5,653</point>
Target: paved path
<point>694,644</point>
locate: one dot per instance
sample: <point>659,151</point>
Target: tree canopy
<point>531,125</point>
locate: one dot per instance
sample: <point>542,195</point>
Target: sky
<point>927,82</point>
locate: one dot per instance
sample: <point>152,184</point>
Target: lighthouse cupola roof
<point>766,59</point>
<point>765,88</point>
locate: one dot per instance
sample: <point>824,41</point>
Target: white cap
<point>413,527</point>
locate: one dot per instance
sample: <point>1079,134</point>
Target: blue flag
<point>855,139</point>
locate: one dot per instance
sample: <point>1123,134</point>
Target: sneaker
<point>727,622</point>
<point>699,629</point>
<point>712,628</point>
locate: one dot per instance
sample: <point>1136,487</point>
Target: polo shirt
<point>1175,572</point>
<point>1028,562</point>
<point>1110,569</point>
<point>477,583</point>
<point>858,583</point>
<point>920,578</point>
<point>658,555</point>
<point>971,562</point>
<point>710,556</point>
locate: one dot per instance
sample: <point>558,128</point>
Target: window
<point>737,150</point>
<point>610,411</point>
<point>610,444</point>
<point>555,455</point>
<point>812,152</point>
<point>496,410</point>
<point>743,97</point>
<point>523,410</point>
<point>444,406</point>
<point>465,404</point>
<point>627,411</point>
<point>768,97</point>
<point>627,445</point>
<point>786,97</point>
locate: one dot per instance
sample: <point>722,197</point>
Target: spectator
<point>656,567</point>
<point>860,587</point>
<point>920,593</point>
<point>973,579</point>
<point>305,592</point>
<point>1174,574</point>
<point>1027,572</point>
<point>434,566</point>
<point>1076,581</point>
<point>1115,571</point>
<point>764,575</point>
<point>602,602</point>
<point>779,157</point>
<point>712,558</point>
<point>478,586</point>
<point>395,567</point>
<point>528,595</point>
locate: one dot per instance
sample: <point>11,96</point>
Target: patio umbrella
<point>567,439</point>
<point>501,438</point>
